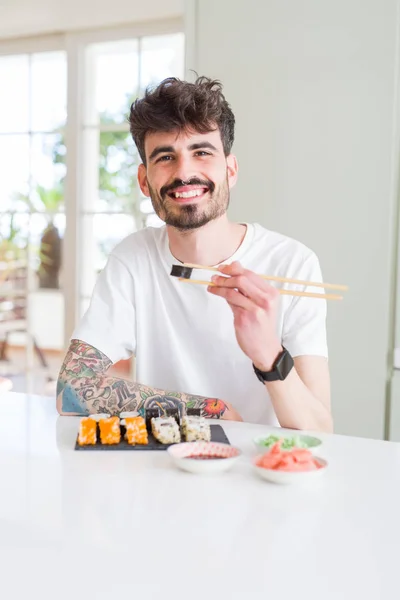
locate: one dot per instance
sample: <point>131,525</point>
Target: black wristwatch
<point>280,369</point>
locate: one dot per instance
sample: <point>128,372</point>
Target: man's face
<point>188,177</point>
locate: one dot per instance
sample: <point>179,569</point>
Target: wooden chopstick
<point>283,292</point>
<point>331,286</point>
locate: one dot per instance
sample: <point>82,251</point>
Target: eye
<point>164,158</point>
<point>203,153</point>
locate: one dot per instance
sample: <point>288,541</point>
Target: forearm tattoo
<point>85,388</point>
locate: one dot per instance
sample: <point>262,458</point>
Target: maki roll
<point>110,432</point>
<point>125,415</point>
<point>87,432</point>
<point>150,414</point>
<point>173,412</point>
<point>128,413</point>
<point>193,412</point>
<point>99,416</point>
<point>136,432</point>
<point>195,429</point>
<point>166,430</point>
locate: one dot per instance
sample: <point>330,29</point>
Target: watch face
<point>284,365</point>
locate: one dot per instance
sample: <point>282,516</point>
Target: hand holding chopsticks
<point>254,304</point>
<point>184,272</point>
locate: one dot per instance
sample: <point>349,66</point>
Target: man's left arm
<point>302,400</point>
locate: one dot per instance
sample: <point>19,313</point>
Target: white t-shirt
<point>183,338</point>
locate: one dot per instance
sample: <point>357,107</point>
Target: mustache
<point>167,189</point>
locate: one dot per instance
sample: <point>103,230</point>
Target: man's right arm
<point>84,387</point>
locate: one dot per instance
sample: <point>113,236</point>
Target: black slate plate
<point>217,435</point>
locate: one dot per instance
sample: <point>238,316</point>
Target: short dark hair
<point>180,105</point>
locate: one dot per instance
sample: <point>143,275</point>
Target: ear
<point>142,179</point>
<point>232,170</point>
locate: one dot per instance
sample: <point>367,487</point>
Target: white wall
<point>34,17</point>
<point>312,85</point>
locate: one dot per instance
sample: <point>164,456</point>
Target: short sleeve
<point>304,323</point>
<point>109,323</point>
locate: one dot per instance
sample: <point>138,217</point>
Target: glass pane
<point>161,56</point>
<point>14,234</point>
<point>112,73</point>
<point>14,96</point>
<point>46,235</point>
<point>49,90</point>
<point>45,308</point>
<point>48,156</point>
<point>111,162</point>
<point>118,163</point>
<point>100,234</point>
<point>14,179</point>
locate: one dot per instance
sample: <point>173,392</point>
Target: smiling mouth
<point>185,195</point>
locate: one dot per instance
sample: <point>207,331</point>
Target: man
<point>238,349</point>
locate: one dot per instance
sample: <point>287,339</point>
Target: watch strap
<point>280,369</point>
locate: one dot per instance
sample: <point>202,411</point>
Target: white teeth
<point>190,194</point>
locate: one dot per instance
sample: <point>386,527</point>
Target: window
<point>33,108</point>
<point>68,190</point>
<point>117,72</point>
<point>32,122</point>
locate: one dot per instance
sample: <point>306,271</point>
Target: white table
<point>101,524</point>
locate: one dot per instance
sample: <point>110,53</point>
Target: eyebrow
<point>197,146</point>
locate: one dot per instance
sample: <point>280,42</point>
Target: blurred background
<point>68,189</point>
<point>314,87</point>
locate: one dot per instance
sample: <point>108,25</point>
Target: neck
<point>209,245</point>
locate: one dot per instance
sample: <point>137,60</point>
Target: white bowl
<point>313,443</point>
<point>289,477</point>
<point>222,456</point>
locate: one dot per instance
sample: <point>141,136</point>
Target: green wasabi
<point>287,442</point>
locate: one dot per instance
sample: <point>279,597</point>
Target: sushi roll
<point>128,413</point>
<point>136,432</point>
<point>166,430</point>
<point>150,414</point>
<point>193,412</point>
<point>110,432</point>
<point>87,432</point>
<point>173,412</point>
<point>99,416</point>
<point>125,415</point>
<point>195,429</point>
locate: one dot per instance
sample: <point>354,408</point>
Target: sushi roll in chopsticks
<point>195,429</point>
<point>87,432</point>
<point>166,430</point>
<point>136,432</point>
<point>110,432</point>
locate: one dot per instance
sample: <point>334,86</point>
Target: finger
<point>233,297</point>
<point>235,269</point>
<point>264,298</point>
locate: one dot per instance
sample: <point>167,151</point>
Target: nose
<point>184,168</point>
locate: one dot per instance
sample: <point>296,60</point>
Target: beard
<point>190,216</point>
